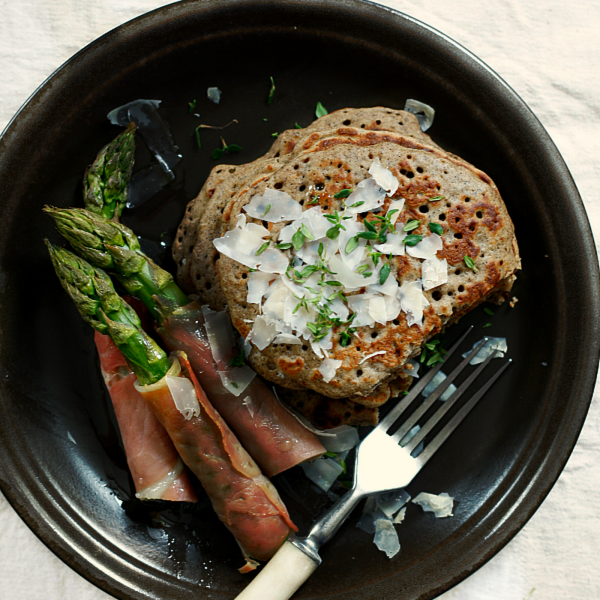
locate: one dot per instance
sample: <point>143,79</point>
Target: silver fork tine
<point>439,390</point>
<point>447,405</point>
<point>393,415</point>
<point>442,436</point>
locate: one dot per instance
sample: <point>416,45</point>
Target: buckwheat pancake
<point>475,225</point>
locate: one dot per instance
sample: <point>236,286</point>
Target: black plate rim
<point>44,518</point>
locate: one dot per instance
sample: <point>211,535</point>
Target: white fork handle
<point>281,576</point>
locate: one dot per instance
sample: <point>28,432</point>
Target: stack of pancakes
<point>334,153</point>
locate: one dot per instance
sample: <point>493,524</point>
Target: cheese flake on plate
<point>263,332</point>
<point>412,302</point>
<point>440,506</point>
<point>329,368</point>
<point>383,177</point>
<point>396,205</point>
<point>368,193</point>
<point>274,207</point>
<point>242,242</point>
<point>427,247</point>
<point>258,285</point>
<point>434,272</point>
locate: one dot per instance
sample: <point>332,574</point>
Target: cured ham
<point>267,430</point>
<point>243,498</point>
<point>157,470</point>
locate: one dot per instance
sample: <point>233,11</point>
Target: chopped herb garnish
<point>298,240</point>
<point>320,111</point>
<point>384,273</point>
<point>432,352</point>
<point>262,248</point>
<point>346,336</point>
<point>239,360</point>
<point>359,203</point>
<point>196,134</point>
<point>470,263</point>
<point>306,232</point>
<point>412,240</point>
<point>436,228</point>
<point>362,268</point>
<point>192,105</point>
<point>265,119</point>
<point>218,153</point>
<point>411,225</point>
<point>271,92</point>
<point>367,235</point>
<point>336,219</point>
<point>487,325</point>
<point>351,245</point>
<point>437,198</point>
<point>283,246</point>
<point>488,311</point>
<point>331,454</point>
<point>343,194</point>
<point>275,134</point>
<point>234,384</point>
<point>320,250</point>
<point>268,209</point>
<point>297,126</point>
<point>314,200</point>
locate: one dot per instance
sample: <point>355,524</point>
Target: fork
<point>382,464</point>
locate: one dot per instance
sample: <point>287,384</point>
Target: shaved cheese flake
<point>274,207</point>
<point>412,302</point>
<point>339,439</point>
<point>349,278</point>
<point>440,506</point>
<point>386,537</point>
<point>241,244</point>
<point>383,177</point>
<point>273,261</point>
<point>414,371</point>
<point>258,285</point>
<point>422,111</point>
<point>220,334</point>
<point>377,310</point>
<point>323,472</point>
<point>427,247</point>
<point>214,94</point>
<point>391,502</point>
<point>389,288</point>
<point>371,355</point>
<point>355,257</point>
<point>369,193</point>
<point>247,402</point>
<point>329,368</point>
<point>359,304</point>
<point>287,338</point>
<point>274,305</point>
<point>236,380</point>
<point>492,343</point>
<point>392,307</point>
<point>395,242</point>
<point>184,395</point>
<point>400,516</point>
<point>438,378</point>
<point>434,272</point>
<point>315,221</point>
<point>263,332</point>
<point>397,205</point>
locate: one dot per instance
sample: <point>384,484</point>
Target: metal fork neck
<point>327,525</point>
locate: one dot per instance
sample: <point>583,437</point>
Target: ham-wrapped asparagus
<point>272,436</point>
<point>243,498</point>
<point>157,470</point>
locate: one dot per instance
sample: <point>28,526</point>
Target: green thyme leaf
<point>487,325</point>
<point>351,245</point>
<point>298,240</point>
<point>297,126</point>
<point>384,273</point>
<point>333,232</point>
<point>359,203</point>
<point>436,228</point>
<point>437,198</point>
<point>233,148</point>
<point>308,270</point>
<point>262,248</point>
<point>470,263</point>
<point>218,153</point>
<point>320,249</point>
<point>196,134</point>
<point>411,225</point>
<point>239,360</point>
<point>320,110</point>
<point>362,268</point>
<point>268,209</point>
<point>369,225</point>
<point>314,200</point>
<point>367,235</point>
<point>271,92</point>
<point>412,240</point>
<point>488,311</point>
<point>234,384</point>
<point>275,135</point>
<point>283,246</point>
<point>343,194</point>
<point>306,232</point>
<point>192,105</point>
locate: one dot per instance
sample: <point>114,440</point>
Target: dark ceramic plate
<point>63,467</point>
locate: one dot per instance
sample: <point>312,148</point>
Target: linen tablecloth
<point>549,53</point>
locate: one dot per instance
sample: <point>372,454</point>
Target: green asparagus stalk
<point>110,245</point>
<point>99,304</point>
<point>106,179</point>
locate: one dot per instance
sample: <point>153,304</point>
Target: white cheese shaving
<point>184,396</point>
<point>339,439</point>
<point>214,94</point>
<point>412,302</point>
<point>287,338</point>
<point>237,379</point>
<point>263,332</point>
<point>258,285</point>
<point>273,206</point>
<point>369,193</point>
<point>389,288</point>
<point>438,378</point>
<point>434,272</point>
<point>386,537</point>
<point>427,247</point>
<point>355,257</point>
<point>383,177</point>
<point>242,242</point>
<point>323,472</point>
<point>349,278</point>
<point>400,516</point>
<point>394,243</point>
<point>329,368</point>
<point>359,304</point>
<point>414,371</point>
<point>396,205</point>
<point>371,355</point>
<point>491,344</point>
<point>220,334</point>
<point>391,502</point>
<point>440,506</point>
<point>247,402</point>
<point>422,111</point>
<point>273,261</point>
<point>377,310</point>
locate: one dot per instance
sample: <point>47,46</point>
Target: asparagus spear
<point>110,245</point>
<point>105,180</point>
<point>99,304</point>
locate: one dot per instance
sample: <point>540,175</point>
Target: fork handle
<point>281,576</point>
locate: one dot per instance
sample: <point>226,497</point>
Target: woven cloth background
<point>549,52</point>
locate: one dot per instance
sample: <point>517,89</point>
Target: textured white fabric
<point>549,52</point>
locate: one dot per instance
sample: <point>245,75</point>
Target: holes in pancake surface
<point>278,185</point>
<point>359,372</point>
<point>378,122</point>
<point>296,167</point>
<point>306,160</point>
<point>244,276</point>
<point>319,186</point>
<point>374,334</point>
<point>208,285</point>
<point>347,122</point>
<point>396,322</point>
<point>479,214</point>
<point>442,217</point>
<point>458,236</point>
<point>370,156</point>
<point>436,295</point>
<point>419,169</point>
<point>467,199</point>
<point>302,188</point>
<point>410,174</point>
<point>424,208</point>
<point>304,347</point>
<point>232,170</point>
<point>457,272</point>
<point>461,288</point>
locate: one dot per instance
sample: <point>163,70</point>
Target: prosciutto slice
<point>266,429</point>
<point>243,498</point>
<point>157,470</point>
